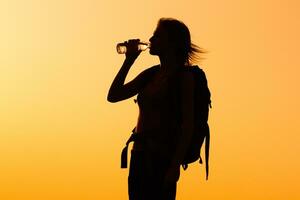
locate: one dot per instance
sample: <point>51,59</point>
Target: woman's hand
<point>132,51</point>
<point>172,175</point>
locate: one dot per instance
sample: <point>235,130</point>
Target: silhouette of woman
<point>161,142</point>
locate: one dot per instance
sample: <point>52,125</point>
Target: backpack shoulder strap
<point>201,82</point>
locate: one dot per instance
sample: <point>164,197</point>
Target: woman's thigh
<point>146,176</point>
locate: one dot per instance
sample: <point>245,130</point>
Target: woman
<point>161,140</point>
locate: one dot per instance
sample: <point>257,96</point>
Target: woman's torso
<point>157,117</point>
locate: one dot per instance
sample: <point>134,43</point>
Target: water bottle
<point>122,48</point>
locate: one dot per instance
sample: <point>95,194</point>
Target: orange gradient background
<point>60,139</point>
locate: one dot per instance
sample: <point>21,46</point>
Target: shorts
<point>146,177</point>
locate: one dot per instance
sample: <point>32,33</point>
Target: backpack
<point>202,103</point>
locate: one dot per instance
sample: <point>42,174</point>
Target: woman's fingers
<point>134,40</point>
<point>132,48</point>
<point>133,44</point>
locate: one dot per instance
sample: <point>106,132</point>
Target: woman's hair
<point>179,35</point>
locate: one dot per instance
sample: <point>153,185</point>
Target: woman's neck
<point>168,64</point>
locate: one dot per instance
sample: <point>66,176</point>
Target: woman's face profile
<point>159,41</point>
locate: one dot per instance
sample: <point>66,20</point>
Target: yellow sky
<point>61,139</point>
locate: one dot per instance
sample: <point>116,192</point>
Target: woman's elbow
<point>114,97</point>
<point>111,98</point>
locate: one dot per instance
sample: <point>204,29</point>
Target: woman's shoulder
<point>189,71</point>
<point>190,68</point>
<point>194,74</point>
<point>152,68</point>
<point>150,71</point>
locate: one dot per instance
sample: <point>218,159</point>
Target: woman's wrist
<point>129,60</point>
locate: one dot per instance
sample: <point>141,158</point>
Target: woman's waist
<point>162,148</point>
<point>148,136</point>
<point>156,123</point>
<point>156,133</point>
<point>155,139</point>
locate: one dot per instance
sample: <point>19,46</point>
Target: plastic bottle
<point>122,48</point>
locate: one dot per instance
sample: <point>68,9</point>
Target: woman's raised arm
<point>119,91</point>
